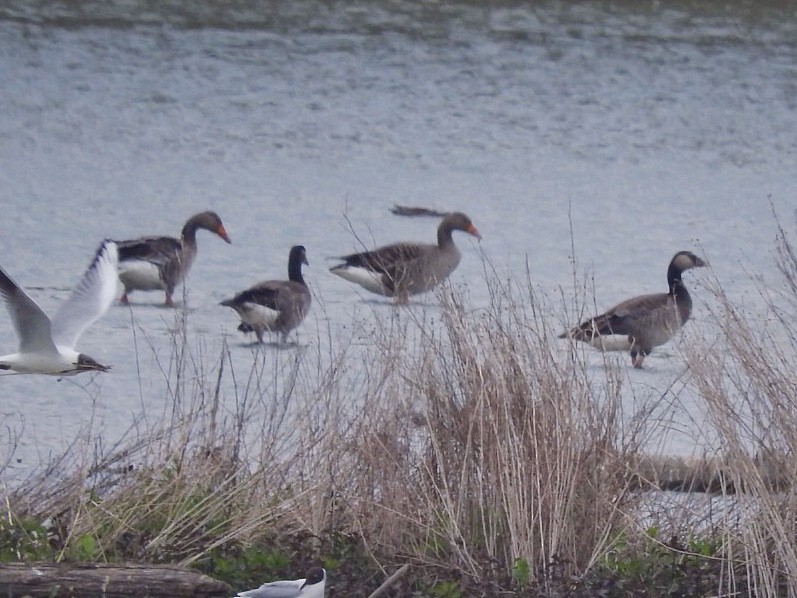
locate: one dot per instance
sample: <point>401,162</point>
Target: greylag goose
<point>647,320</point>
<point>312,586</point>
<point>47,347</point>
<point>161,263</point>
<point>403,269</point>
<point>275,305</point>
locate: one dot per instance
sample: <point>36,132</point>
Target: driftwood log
<point>18,580</point>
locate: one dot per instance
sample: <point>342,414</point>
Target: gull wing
<point>276,589</point>
<point>90,299</point>
<point>31,323</point>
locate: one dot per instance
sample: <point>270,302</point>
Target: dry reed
<point>746,379</point>
<point>453,438</point>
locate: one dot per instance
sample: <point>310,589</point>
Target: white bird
<point>310,587</point>
<point>47,347</point>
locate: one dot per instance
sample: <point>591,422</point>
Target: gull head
<point>87,364</point>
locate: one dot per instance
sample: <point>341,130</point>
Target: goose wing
<point>156,250</point>
<point>388,259</point>
<point>264,293</point>
<point>630,317</point>
<point>30,322</point>
<point>90,299</point>
<point>642,313</point>
<point>279,295</point>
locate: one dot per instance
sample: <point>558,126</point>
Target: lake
<point>596,138</point>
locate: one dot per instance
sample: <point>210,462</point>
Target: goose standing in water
<point>161,263</point>
<point>275,305</point>
<point>47,346</point>
<point>311,586</point>
<point>647,320</point>
<point>403,269</point>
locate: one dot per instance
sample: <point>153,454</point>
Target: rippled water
<point>640,129</point>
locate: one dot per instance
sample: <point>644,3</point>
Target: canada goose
<point>312,586</point>
<point>275,305</point>
<point>647,320</point>
<point>47,347</point>
<point>161,263</point>
<point>403,269</point>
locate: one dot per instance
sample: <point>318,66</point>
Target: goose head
<point>209,221</point>
<point>457,221</point>
<point>682,261</point>
<point>686,260</point>
<point>298,255</point>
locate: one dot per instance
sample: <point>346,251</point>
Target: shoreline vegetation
<point>466,447</point>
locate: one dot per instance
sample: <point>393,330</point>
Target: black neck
<point>683,300</point>
<point>674,280</point>
<point>295,269</point>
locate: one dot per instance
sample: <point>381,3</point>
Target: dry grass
<point>483,447</point>
<point>458,441</point>
<point>747,381</point>
<point>454,439</point>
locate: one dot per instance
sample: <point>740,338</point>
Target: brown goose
<point>275,305</point>
<point>161,263</point>
<point>403,269</point>
<point>647,320</point>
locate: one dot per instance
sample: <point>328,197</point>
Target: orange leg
<point>123,299</point>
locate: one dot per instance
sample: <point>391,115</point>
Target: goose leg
<point>401,298</point>
<point>638,355</point>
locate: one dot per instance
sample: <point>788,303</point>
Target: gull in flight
<point>47,346</point>
<point>310,587</point>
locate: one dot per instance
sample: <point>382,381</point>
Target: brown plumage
<point>647,320</point>
<point>161,263</point>
<point>403,269</point>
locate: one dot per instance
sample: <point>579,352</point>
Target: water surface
<point>599,137</point>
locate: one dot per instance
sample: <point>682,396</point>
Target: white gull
<point>310,587</point>
<point>47,347</point>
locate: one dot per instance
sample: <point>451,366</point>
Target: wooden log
<point>712,475</point>
<point>90,580</point>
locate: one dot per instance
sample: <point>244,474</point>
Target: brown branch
<point>107,581</point>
